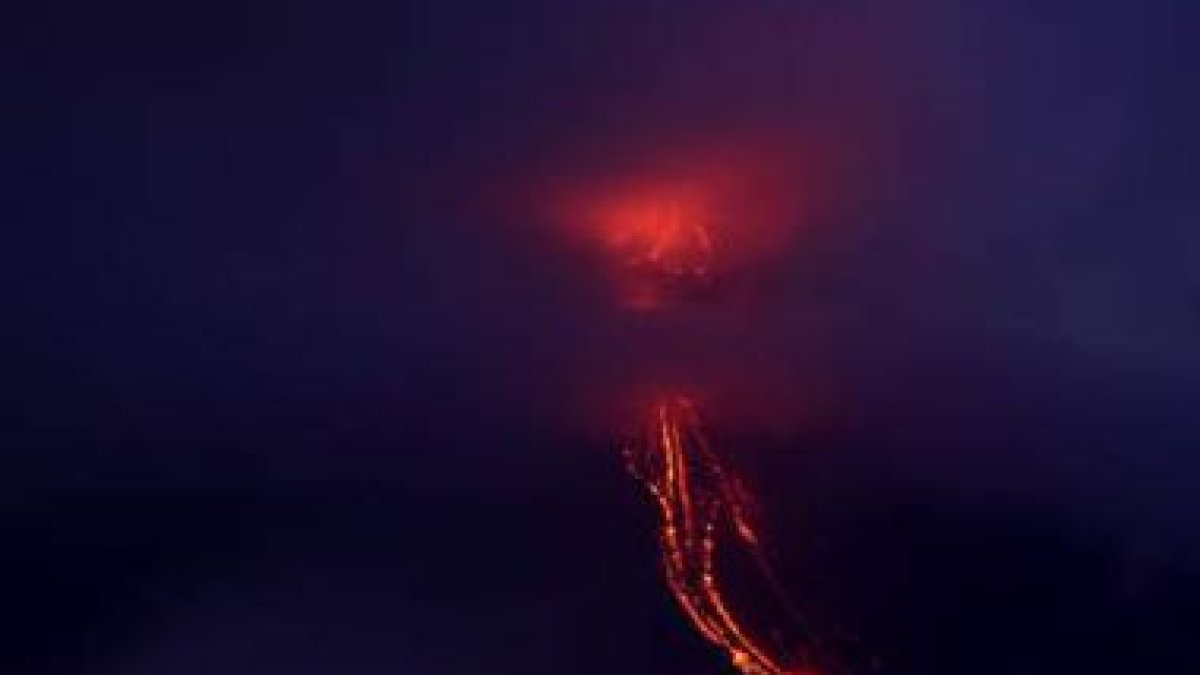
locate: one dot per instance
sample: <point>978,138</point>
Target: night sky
<point>306,375</point>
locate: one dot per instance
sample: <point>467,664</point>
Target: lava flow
<point>702,504</point>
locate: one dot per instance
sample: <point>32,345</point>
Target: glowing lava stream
<point>699,502</point>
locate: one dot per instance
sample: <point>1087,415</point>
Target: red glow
<point>669,233</point>
<point>687,217</point>
<point>661,242</point>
